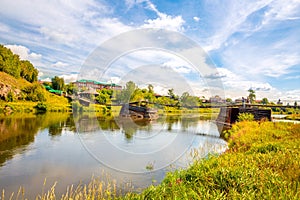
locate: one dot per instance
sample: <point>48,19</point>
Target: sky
<point>251,44</point>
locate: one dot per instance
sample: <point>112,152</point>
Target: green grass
<point>293,117</point>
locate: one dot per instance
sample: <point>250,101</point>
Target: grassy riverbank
<point>262,162</point>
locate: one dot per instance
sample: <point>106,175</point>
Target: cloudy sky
<point>253,44</point>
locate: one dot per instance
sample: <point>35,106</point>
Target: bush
<point>10,96</point>
<point>41,107</point>
<point>245,117</point>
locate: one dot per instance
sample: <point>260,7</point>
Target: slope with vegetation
<point>19,89</point>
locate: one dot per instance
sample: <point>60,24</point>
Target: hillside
<point>22,95</point>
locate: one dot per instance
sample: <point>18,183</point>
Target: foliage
<point>105,96</point>
<point>34,92</point>
<point>10,96</point>
<point>229,100</point>
<point>265,101</point>
<point>245,117</point>
<point>126,94</point>
<point>251,95</point>
<point>11,64</point>
<point>172,94</point>
<point>71,88</point>
<point>58,83</point>
<point>41,107</point>
<point>189,101</point>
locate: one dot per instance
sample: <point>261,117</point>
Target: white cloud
<point>282,10</point>
<point>197,19</point>
<point>166,22</point>
<point>24,52</point>
<point>230,19</point>
<point>60,64</point>
<point>163,21</point>
<point>68,78</point>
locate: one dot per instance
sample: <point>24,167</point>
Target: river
<point>67,149</point>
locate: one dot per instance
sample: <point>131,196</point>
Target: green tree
<point>189,101</point>
<point>126,94</point>
<point>171,93</point>
<point>34,92</point>
<point>150,89</point>
<point>71,88</point>
<point>251,95</point>
<point>28,72</point>
<point>265,101</point>
<point>11,64</point>
<point>58,83</point>
<point>229,100</point>
<point>105,96</point>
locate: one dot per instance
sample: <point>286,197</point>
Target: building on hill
<point>91,84</point>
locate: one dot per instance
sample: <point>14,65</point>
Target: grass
<point>293,117</point>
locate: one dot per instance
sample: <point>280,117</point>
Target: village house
<point>84,84</point>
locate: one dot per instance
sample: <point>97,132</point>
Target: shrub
<point>41,107</point>
<point>10,96</point>
<point>245,117</point>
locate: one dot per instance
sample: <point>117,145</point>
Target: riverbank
<point>262,162</point>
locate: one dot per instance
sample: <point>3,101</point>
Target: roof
<point>55,91</point>
<point>98,83</point>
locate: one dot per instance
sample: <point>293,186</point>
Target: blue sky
<point>254,44</point>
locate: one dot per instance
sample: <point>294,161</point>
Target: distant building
<point>238,101</point>
<point>91,84</point>
<point>216,99</point>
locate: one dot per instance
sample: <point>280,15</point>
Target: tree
<point>71,88</point>
<point>58,83</point>
<point>229,100</point>
<point>126,94</point>
<point>104,96</point>
<point>171,93</point>
<point>11,64</point>
<point>295,104</point>
<point>34,92</point>
<point>189,101</point>
<point>28,72</point>
<point>265,101</point>
<point>150,88</point>
<point>251,95</point>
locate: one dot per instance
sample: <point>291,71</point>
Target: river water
<point>67,149</point>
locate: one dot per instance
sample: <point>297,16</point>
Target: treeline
<point>11,64</point>
<point>132,93</point>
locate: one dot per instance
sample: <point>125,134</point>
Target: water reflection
<point>33,147</point>
<point>18,131</point>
